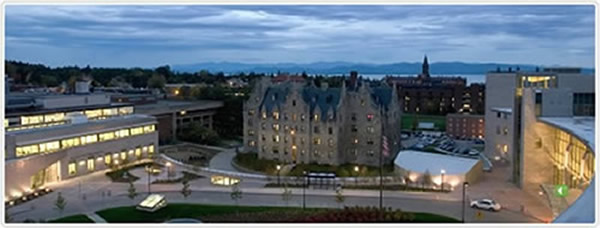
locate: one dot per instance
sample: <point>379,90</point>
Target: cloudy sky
<point>148,36</point>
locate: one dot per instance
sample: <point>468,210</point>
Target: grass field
<point>73,219</point>
<point>408,121</point>
<point>218,213</point>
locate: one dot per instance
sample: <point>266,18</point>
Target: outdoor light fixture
<point>11,203</point>
<point>47,190</point>
<point>356,168</point>
<point>24,198</point>
<point>168,164</point>
<point>278,176</point>
<point>35,194</point>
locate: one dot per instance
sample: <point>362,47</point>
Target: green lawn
<point>408,121</point>
<point>174,210</point>
<point>73,219</point>
<point>226,213</point>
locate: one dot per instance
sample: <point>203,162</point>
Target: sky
<point>154,35</point>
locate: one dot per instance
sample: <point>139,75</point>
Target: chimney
<point>353,78</point>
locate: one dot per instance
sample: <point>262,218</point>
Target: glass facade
<point>53,146</point>
<point>51,119</point>
<point>573,160</point>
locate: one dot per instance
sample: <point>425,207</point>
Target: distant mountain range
<point>346,67</point>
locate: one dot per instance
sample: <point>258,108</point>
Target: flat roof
<point>169,106</point>
<point>10,113</point>
<point>416,161</point>
<point>503,110</point>
<point>581,126</point>
<point>33,135</point>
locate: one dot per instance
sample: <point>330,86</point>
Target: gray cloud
<point>150,35</point>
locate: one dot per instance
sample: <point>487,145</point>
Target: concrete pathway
<point>95,217</point>
<point>222,160</point>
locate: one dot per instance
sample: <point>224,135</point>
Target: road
<point>204,193</point>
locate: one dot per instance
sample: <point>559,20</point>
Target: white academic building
<point>53,144</point>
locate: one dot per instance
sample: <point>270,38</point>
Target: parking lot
<point>438,142</point>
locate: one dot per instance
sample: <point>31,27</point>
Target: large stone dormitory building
<point>296,122</point>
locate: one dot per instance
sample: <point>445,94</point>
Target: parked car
<point>486,204</point>
<point>473,152</point>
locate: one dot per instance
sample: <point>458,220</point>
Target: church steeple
<point>425,72</point>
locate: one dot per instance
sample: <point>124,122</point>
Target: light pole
<point>278,176</point>
<point>169,170</point>
<point>465,186</point>
<point>304,191</point>
<point>356,169</point>
<point>148,169</point>
<point>443,172</point>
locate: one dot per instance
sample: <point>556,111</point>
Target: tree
<point>286,195</point>
<point>236,194</point>
<point>197,133</point>
<point>157,81</point>
<point>339,197</point>
<point>60,203</point>
<point>427,180</point>
<point>131,191</point>
<point>185,190</point>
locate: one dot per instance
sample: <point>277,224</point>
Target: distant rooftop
<point>423,161</point>
<point>169,106</point>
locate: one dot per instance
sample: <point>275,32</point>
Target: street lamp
<point>148,169</point>
<point>304,191</point>
<point>169,170</point>
<point>356,169</point>
<point>465,186</point>
<point>443,172</point>
<point>278,176</point>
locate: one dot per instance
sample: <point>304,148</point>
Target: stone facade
<point>297,122</point>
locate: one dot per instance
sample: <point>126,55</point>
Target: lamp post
<point>148,169</point>
<point>169,170</point>
<point>304,191</point>
<point>356,169</point>
<point>443,172</point>
<point>278,176</point>
<point>465,186</point>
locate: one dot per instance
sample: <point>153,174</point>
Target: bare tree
<point>185,190</point>
<point>60,203</point>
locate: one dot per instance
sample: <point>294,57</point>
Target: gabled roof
<point>325,99</point>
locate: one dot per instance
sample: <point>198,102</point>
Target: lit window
<point>72,168</point>
<point>54,117</point>
<point>317,141</point>
<point>264,115</point>
<point>25,120</point>
<point>123,155</point>
<point>122,133</point>
<point>276,127</point>
<point>126,110</point>
<point>107,159</point>
<point>137,130</point>
<point>106,136</point>
<point>27,150</point>
<point>151,149</point>
<point>275,138</point>
<point>67,143</point>
<point>250,132</point>
<point>330,141</point>
<point>505,148</point>
<point>138,153</point>
<point>276,115</point>
<point>110,112</point>
<point>251,112</point>
<point>93,113</point>
<point>90,164</point>
<point>355,141</point>
<point>49,146</point>
<point>316,117</point>
<point>88,139</point>
<point>148,128</point>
